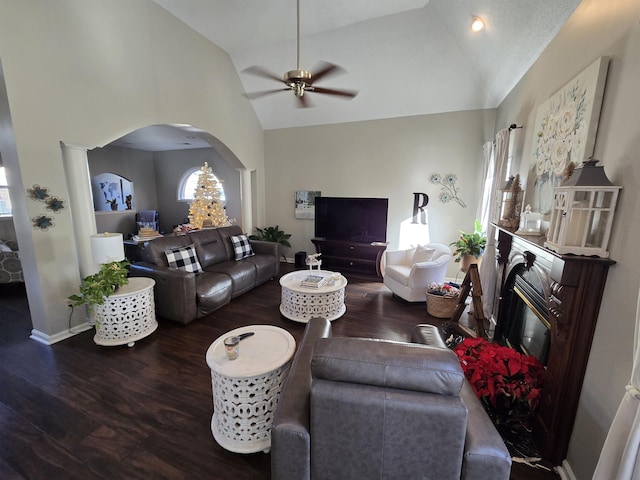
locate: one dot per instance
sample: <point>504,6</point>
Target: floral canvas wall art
<point>564,133</point>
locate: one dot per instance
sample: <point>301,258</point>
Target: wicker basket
<point>440,306</point>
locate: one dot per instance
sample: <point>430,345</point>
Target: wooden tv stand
<point>351,257</point>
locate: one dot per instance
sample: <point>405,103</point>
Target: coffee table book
<point>313,281</point>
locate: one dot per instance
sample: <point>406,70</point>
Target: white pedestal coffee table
<point>127,315</point>
<point>300,303</point>
<point>246,390</point>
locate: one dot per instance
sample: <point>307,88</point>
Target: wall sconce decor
<point>582,214</point>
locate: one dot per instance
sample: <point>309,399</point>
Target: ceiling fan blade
<point>261,72</point>
<point>349,94</point>
<point>326,69</point>
<point>263,93</point>
<point>303,102</point>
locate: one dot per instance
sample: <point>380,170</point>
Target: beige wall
<point>86,72</point>
<point>383,158</point>
<point>597,28</point>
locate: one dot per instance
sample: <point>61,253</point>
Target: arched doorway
<point>155,159</point>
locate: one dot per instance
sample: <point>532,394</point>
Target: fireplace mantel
<point>573,287</point>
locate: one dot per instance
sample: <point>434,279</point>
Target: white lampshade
<point>107,247</point>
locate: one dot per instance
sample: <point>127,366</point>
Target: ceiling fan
<point>301,81</point>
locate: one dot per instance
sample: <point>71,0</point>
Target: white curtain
<point>488,171</point>
<point>620,456</point>
<point>495,176</point>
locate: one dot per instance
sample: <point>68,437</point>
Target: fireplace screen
<point>526,327</point>
<point>534,331</point>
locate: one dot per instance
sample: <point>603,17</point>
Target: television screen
<point>362,220</point>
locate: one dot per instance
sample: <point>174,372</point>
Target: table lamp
<point>107,247</point>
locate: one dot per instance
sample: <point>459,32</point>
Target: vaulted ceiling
<point>404,57</point>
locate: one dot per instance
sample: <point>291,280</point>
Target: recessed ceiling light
<point>477,24</point>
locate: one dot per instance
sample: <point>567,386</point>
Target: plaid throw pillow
<point>241,246</point>
<point>184,258</point>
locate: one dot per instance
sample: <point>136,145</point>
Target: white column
<point>76,168</point>
<point>246,200</point>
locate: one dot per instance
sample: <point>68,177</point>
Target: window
<point>5,201</point>
<point>189,182</point>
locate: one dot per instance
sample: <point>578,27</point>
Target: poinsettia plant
<point>507,382</point>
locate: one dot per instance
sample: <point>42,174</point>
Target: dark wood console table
<point>351,257</point>
<point>573,286</point>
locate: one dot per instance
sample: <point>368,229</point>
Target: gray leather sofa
<point>184,296</point>
<point>354,408</point>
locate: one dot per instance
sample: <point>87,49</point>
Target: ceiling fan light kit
<point>297,80</point>
<point>300,81</point>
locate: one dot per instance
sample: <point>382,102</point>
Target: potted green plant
<point>470,246</point>
<point>94,289</point>
<point>272,234</point>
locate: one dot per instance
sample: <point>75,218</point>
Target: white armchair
<point>409,272</point>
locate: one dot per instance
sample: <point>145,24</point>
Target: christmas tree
<point>207,209</point>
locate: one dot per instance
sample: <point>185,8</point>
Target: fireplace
<point>547,304</point>
<point>525,325</point>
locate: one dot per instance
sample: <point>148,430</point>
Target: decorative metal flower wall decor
<point>38,192</point>
<point>53,203</point>
<point>42,222</point>
<point>449,190</point>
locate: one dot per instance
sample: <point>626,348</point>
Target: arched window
<point>189,182</point>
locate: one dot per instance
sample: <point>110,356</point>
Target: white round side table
<point>127,315</point>
<point>300,303</point>
<point>246,390</point>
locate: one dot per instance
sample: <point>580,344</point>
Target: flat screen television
<point>362,220</point>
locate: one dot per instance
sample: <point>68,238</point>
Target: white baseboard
<point>38,336</point>
<point>565,471</point>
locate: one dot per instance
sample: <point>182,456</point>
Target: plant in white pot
<point>470,246</point>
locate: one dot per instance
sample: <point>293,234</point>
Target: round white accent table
<point>246,390</point>
<point>300,303</point>
<point>127,315</point>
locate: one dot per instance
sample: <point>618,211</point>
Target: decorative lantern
<point>582,214</point>
<point>510,203</point>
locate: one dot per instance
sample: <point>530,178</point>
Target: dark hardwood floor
<point>75,410</point>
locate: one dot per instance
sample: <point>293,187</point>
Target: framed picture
<point>305,203</point>
<point>564,133</point>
